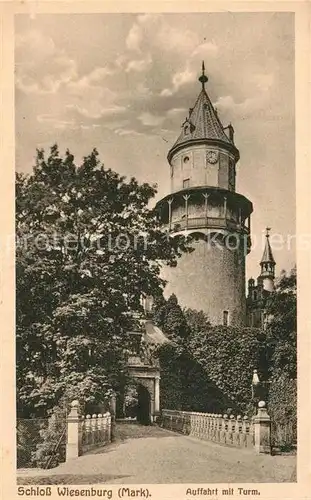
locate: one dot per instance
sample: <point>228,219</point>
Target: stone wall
<point>190,163</point>
<point>212,279</point>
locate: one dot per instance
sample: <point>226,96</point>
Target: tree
<point>197,321</point>
<point>282,350</point>
<point>170,317</point>
<point>282,325</point>
<point>88,247</point>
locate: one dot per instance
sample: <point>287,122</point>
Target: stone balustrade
<point>226,429</point>
<point>85,433</point>
<point>95,430</point>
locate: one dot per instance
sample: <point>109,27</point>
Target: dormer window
<point>187,129</point>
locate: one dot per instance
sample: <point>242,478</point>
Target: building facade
<point>204,205</point>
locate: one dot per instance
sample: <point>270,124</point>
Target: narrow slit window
<point>226,318</point>
<point>186,183</point>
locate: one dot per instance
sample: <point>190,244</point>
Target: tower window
<point>186,183</point>
<point>225,318</point>
<point>186,159</point>
<point>255,295</point>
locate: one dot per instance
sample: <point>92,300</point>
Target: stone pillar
<point>186,198</point>
<point>262,429</point>
<point>206,196</point>
<point>225,207</point>
<point>157,395</point>
<point>73,441</point>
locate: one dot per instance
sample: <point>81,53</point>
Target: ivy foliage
<point>229,355</point>
<point>224,358</point>
<point>282,352</point>
<point>210,367</point>
<point>282,326</point>
<point>283,411</point>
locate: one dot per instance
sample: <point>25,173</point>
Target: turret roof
<point>203,120</point>
<point>267,253</point>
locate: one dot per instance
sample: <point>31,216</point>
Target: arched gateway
<point>145,371</point>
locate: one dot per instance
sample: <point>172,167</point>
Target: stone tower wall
<point>212,279</point>
<point>190,163</point>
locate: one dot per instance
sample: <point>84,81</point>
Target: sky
<point>123,83</point>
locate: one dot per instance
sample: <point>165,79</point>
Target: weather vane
<point>203,78</point>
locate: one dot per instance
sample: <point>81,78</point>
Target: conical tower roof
<point>267,256</point>
<point>203,121</point>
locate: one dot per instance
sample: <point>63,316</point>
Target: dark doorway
<point>143,405</point>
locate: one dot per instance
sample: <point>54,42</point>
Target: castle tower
<point>203,204</point>
<point>267,265</point>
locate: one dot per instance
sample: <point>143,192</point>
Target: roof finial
<point>267,231</point>
<point>203,78</point>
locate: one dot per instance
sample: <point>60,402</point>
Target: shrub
<point>282,408</point>
<point>52,450</point>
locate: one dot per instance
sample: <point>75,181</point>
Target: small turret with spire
<point>267,265</point>
<point>258,293</point>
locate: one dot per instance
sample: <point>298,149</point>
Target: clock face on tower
<point>212,156</point>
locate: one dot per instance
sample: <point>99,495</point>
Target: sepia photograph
<point>155,251</point>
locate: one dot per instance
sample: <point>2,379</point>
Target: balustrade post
<point>81,432</point>
<point>238,430</point>
<point>94,428</point>
<point>210,426</point>
<point>219,426</point>
<point>100,428</point>
<point>107,424</point>
<point>223,429</point>
<point>88,430</point>
<point>226,426</point>
<point>232,427</point>
<point>262,429</point>
<point>73,447</point>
